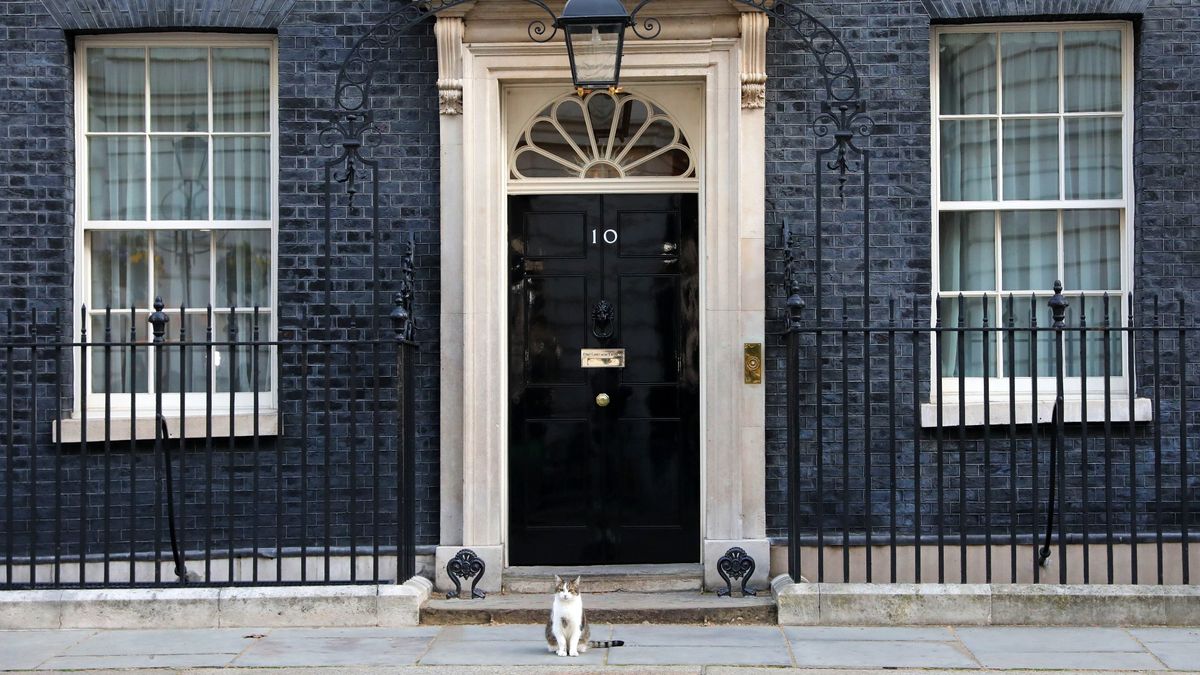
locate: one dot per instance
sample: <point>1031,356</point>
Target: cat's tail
<point>603,644</point>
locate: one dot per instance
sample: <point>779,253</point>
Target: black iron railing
<point>922,444</point>
<point>148,455</point>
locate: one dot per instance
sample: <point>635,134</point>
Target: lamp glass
<point>595,50</point>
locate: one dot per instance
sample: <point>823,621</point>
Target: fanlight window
<point>602,135</point>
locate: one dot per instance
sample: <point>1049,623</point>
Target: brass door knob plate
<point>602,400</point>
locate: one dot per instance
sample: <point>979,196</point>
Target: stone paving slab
<point>505,653</point>
<point>880,654</point>
<point>699,636</point>
<point>1099,660</point>
<point>1177,655</point>
<point>29,648</point>
<point>122,642</point>
<point>749,655</point>
<point>667,649</point>
<point>1052,647</point>
<point>350,633</point>
<point>1166,634</point>
<point>508,632</point>
<point>888,633</point>
<point>127,661</point>
<point>371,647</point>
<point>1007,639</point>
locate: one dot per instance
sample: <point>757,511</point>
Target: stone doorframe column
<point>710,42</point>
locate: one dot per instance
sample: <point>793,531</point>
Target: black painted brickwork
<point>889,39</point>
<point>36,267</point>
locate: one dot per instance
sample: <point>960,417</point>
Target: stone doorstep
<point>607,578</point>
<point>210,607</point>
<point>984,604</point>
<point>621,607</point>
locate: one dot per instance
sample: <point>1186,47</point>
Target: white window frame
<point>1046,386</point>
<point>195,403</point>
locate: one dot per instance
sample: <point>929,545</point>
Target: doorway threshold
<point>608,578</point>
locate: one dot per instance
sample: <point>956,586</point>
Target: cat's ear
<point>576,582</point>
<point>557,581</point>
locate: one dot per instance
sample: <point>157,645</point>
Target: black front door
<point>595,480</point>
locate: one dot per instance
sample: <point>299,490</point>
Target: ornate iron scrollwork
<point>466,565</point>
<point>604,319</point>
<point>538,30</point>
<point>843,121</point>
<point>648,28</point>
<point>791,278</point>
<point>736,564</point>
<point>402,301</point>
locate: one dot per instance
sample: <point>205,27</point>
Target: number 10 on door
<point>609,236</point>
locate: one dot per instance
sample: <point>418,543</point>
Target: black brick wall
<point>890,41</point>
<point>36,266</point>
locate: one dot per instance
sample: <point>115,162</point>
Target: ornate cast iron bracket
<point>646,29</point>
<point>736,564</point>
<point>466,565</point>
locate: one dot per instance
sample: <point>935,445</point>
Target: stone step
<point>622,607</point>
<point>608,578</point>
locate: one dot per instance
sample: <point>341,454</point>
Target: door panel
<point>615,484</point>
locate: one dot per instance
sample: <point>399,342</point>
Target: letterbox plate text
<point>602,358</point>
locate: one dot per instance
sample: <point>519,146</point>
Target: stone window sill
<point>999,412</point>
<point>194,426</point>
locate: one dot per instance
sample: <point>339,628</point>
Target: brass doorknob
<point>602,400</point>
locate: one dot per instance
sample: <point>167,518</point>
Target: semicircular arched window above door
<point>602,135</point>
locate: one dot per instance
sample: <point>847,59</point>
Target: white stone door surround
<point>483,52</point>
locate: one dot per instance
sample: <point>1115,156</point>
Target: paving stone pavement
<point>657,649</point>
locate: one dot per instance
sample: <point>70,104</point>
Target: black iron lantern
<point>595,34</point>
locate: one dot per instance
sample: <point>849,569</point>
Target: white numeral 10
<point>610,236</point>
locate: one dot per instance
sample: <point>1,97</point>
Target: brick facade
<point>889,39</point>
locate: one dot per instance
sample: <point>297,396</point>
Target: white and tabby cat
<point>567,631</point>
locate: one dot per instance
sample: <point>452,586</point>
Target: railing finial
<point>1058,306</point>
<point>158,320</point>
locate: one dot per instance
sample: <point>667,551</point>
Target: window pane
<point>241,89</point>
<point>244,268</point>
<point>191,353</point>
<point>241,177</point>
<point>1030,72</point>
<point>1093,308</point>
<point>967,73</point>
<point>968,251</point>
<point>239,363</point>
<point>1022,345</point>
<point>1031,159</point>
<point>178,89</point>
<point>116,178</point>
<point>179,167</point>
<point>116,89</point>
<point>968,160</point>
<point>126,367</point>
<point>1093,158</point>
<point>181,264</point>
<point>1092,250</point>
<point>1029,248</point>
<point>1092,71</point>
<point>968,344</point>
<point>120,264</point>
